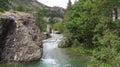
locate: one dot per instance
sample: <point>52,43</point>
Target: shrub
<point>58,26</point>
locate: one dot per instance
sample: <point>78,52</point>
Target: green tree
<point>19,7</point>
<point>90,25</point>
<point>39,19</point>
<point>69,5</point>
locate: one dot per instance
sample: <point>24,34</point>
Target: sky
<point>60,3</point>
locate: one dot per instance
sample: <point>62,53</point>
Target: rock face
<point>20,38</point>
<point>54,14</point>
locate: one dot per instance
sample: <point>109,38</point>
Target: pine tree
<point>69,5</point>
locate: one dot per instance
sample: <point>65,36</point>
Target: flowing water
<point>54,56</point>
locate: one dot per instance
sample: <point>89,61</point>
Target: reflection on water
<point>53,56</point>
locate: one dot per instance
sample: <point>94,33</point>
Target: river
<point>54,56</point>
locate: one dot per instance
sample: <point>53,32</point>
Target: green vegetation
<point>58,26</point>
<point>90,25</point>
<point>39,19</point>
<point>19,7</point>
<point>4,5</point>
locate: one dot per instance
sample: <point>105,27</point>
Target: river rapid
<point>54,56</point>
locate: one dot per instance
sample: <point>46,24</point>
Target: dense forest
<point>93,27</point>
<point>90,27</point>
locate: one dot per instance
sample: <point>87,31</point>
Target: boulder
<point>56,32</point>
<point>20,38</point>
<point>65,43</point>
<point>46,35</point>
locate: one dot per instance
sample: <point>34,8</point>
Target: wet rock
<point>56,32</point>
<point>20,38</point>
<point>66,42</point>
<point>46,35</point>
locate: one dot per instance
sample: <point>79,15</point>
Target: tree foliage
<point>58,26</point>
<point>69,5</point>
<point>39,19</point>
<point>91,25</point>
<point>4,5</point>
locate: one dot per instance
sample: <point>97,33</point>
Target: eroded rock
<point>20,38</point>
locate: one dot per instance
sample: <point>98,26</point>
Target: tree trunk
<point>116,13</point>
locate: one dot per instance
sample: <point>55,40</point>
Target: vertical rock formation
<point>20,38</point>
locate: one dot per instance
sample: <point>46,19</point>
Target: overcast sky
<point>61,3</point>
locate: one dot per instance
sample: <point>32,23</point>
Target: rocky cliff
<point>20,38</point>
<point>53,14</point>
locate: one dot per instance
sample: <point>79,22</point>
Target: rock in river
<point>20,38</point>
